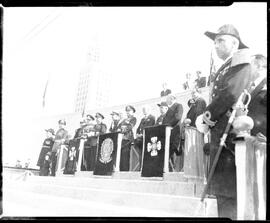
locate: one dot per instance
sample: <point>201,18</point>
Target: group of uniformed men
<point>240,71</point>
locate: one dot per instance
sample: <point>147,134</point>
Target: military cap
<point>226,29</point>
<point>130,107</point>
<point>90,117</point>
<point>50,130</point>
<point>62,121</point>
<point>162,104</point>
<point>99,115</point>
<point>115,113</point>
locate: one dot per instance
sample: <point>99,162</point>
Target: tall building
<point>94,86</point>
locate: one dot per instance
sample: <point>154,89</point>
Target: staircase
<point>123,194</point>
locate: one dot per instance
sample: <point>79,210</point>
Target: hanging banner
<point>154,151</point>
<point>106,154</point>
<point>72,157</point>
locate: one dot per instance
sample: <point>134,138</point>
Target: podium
<point>108,154</point>
<point>195,161</point>
<point>156,148</point>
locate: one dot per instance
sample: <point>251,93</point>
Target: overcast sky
<point>141,47</point>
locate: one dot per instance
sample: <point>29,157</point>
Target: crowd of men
<point>240,71</point>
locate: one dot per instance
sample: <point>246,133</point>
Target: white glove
<point>203,128</point>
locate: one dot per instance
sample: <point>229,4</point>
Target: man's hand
<point>201,126</point>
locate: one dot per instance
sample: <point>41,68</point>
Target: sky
<point>141,47</point>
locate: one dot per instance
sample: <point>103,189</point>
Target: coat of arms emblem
<point>106,151</point>
<point>154,146</point>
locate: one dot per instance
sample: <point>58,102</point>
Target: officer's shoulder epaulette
<point>241,57</point>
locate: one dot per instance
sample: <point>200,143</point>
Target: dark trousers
<point>125,155</point>
<point>227,207</point>
<point>54,161</point>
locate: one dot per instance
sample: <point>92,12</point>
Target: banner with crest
<point>154,151</point>
<point>106,154</point>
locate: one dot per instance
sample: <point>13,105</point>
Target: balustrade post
<point>167,148</point>
<point>118,154</point>
<point>81,147</point>
<point>242,124</point>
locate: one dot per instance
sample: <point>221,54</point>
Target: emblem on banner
<point>72,153</point>
<point>106,151</point>
<point>154,146</point>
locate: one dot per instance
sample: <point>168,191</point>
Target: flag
<point>44,94</point>
<point>154,151</point>
<point>106,154</point>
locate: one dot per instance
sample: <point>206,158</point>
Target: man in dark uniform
<point>46,147</point>
<point>196,106</point>
<point>258,91</point>
<point>163,108</point>
<point>99,128</point>
<point>90,143</point>
<point>229,82</point>
<point>173,118</point>
<point>147,120</point>
<point>115,122</point>
<point>61,138</point>
<point>256,146</point>
<point>126,127</point>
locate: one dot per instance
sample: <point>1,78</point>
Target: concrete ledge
<point>184,205</point>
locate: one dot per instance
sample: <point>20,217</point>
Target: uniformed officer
<point>90,143</point>
<point>46,147</point>
<point>173,118</point>
<point>196,106</point>
<point>229,82</point>
<point>99,128</point>
<point>61,137</point>
<point>163,108</point>
<point>126,127</point>
<point>115,122</point>
<point>147,120</point>
<point>257,107</point>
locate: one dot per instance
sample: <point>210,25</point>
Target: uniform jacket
<point>100,129</point>
<point>126,127</point>
<point>229,82</point>
<point>173,115</point>
<point>146,122</point>
<point>97,130</point>
<point>257,108</point>
<point>160,119</point>
<point>78,133</point>
<point>46,147</point>
<point>60,134</point>
<point>195,110</point>
<point>173,118</point>
<point>114,126</point>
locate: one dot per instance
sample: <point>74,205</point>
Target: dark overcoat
<point>257,109</point>
<point>173,118</point>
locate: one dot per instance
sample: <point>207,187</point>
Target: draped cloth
<point>255,205</point>
<point>195,160</point>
